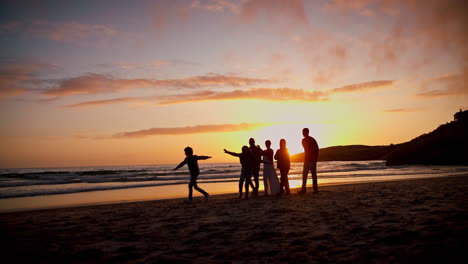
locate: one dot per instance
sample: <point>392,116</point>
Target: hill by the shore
<point>446,145</point>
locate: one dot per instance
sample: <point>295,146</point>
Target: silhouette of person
<point>257,157</point>
<point>246,160</point>
<point>283,164</point>
<point>192,163</point>
<point>311,151</point>
<point>270,180</point>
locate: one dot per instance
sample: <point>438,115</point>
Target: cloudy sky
<point>134,82</point>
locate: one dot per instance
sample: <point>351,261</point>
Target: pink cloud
<point>18,78</point>
<point>445,85</point>
<point>97,83</point>
<point>108,102</point>
<point>189,130</point>
<point>216,5</point>
<point>285,15</point>
<point>72,32</point>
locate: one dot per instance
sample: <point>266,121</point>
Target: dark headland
<point>446,145</point>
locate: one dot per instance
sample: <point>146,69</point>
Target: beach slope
<point>409,221</point>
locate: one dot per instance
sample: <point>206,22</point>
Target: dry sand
<point>410,221</point>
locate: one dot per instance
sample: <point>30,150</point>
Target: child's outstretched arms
<point>181,164</point>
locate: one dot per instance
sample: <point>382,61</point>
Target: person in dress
<point>311,151</point>
<point>246,160</point>
<point>283,164</point>
<point>192,163</point>
<point>270,180</point>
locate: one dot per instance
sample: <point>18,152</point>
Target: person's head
<point>188,151</point>
<point>305,132</point>
<point>268,143</point>
<point>245,150</point>
<point>252,142</point>
<point>282,143</point>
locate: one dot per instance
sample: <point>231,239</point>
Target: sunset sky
<point>86,83</point>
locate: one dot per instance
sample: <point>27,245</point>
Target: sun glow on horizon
<point>89,83</point>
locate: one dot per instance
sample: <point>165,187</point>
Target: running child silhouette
<point>192,163</point>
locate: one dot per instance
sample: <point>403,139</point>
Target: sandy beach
<point>410,221</point>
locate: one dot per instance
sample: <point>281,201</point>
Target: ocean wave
<point>31,182</point>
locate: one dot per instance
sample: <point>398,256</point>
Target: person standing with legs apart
<point>257,157</point>
<point>311,151</point>
<point>284,164</point>
<point>246,159</point>
<point>192,163</point>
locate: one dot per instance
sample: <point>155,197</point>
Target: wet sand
<point>409,221</point>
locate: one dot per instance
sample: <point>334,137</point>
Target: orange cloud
<point>270,94</point>
<point>267,94</point>
<point>190,130</point>
<point>97,83</point>
<point>366,86</point>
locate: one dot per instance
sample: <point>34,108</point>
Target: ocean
<point>50,181</point>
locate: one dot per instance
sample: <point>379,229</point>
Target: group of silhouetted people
<point>251,157</point>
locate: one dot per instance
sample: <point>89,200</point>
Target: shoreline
<point>165,192</point>
<point>424,220</point>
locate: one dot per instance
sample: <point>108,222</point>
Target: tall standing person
<point>284,164</point>
<point>257,157</point>
<point>311,151</point>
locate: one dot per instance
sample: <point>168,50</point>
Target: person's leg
<point>241,182</point>
<point>190,189</point>
<point>248,182</point>
<point>200,189</point>
<point>256,174</point>
<point>314,176</point>
<point>305,171</point>
<point>284,178</point>
<point>281,182</point>
<point>265,185</point>
<point>251,184</point>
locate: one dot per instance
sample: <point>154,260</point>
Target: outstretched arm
<point>232,153</point>
<point>203,157</point>
<point>181,164</point>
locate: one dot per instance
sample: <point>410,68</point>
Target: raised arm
<point>232,153</point>
<point>181,164</point>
